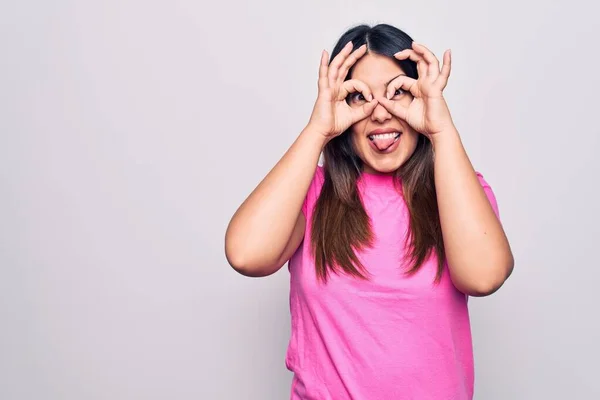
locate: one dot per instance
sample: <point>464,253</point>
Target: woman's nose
<point>380,114</point>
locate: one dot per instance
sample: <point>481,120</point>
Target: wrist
<point>314,135</point>
<point>442,138</point>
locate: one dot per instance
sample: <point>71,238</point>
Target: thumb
<point>394,108</point>
<point>363,112</point>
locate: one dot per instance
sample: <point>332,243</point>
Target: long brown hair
<point>340,224</point>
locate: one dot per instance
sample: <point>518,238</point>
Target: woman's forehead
<point>376,70</point>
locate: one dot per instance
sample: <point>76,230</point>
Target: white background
<point>130,131</point>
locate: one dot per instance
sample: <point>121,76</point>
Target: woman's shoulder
<point>489,192</point>
<point>482,180</point>
<point>314,190</point>
<point>319,176</point>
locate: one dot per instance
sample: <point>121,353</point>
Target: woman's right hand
<point>331,114</point>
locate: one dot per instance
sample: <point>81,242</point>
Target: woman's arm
<point>478,253</point>
<point>477,250</point>
<point>268,226</point>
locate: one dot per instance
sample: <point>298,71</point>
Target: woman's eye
<point>355,97</point>
<point>398,92</point>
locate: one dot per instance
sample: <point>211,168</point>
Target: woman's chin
<point>386,166</point>
<point>383,164</point>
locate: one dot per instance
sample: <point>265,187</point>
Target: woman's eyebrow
<point>393,79</point>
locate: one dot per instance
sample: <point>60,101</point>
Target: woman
<point>387,239</point>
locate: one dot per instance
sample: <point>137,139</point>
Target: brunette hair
<point>340,224</point>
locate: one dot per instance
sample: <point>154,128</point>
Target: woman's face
<point>383,141</point>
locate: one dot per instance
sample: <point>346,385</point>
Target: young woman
<point>387,240</point>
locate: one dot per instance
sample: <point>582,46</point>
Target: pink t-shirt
<point>392,337</point>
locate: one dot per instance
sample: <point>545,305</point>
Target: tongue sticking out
<point>383,144</point>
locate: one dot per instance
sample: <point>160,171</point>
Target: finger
<point>358,114</point>
<point>403,82</point>
<point>446,67</point>
<point>353,86</point>
<point>337,62</point>
<point>433,65</point>
<point>393,107</point>
<point>323,67</point>
<point>413,56</point>
<point>350,61</point>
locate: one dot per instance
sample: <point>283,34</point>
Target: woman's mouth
<point>385,142</point>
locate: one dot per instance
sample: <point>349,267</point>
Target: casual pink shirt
<point>392,337</point>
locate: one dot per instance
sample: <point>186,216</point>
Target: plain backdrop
<point>132,130</point>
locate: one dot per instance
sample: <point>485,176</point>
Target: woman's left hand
<point>427,111</point>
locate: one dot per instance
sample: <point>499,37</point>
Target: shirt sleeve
<point>314,190</point>
<point>490,193</point>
